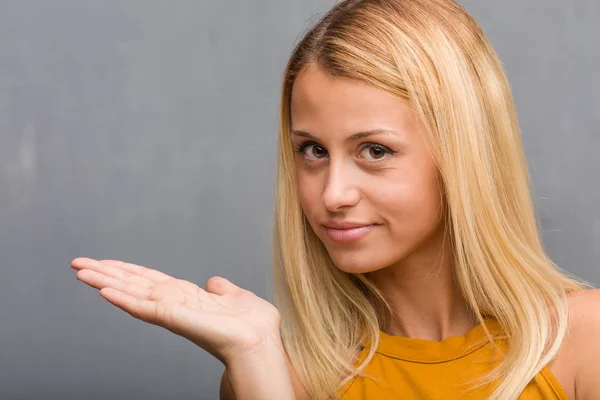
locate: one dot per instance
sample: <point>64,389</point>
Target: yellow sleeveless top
<point>410,368</point>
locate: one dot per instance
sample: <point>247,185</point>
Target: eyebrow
<point>353,137</point>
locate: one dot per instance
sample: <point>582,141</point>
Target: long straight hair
<point>435,56</point>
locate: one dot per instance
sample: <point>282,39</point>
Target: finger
<point>144,310</point>
<point>117,273</point>
<point>148,273</point>
<point>100,281</point>
<point>190,289</point>
<point>112,268</point>
<point>219,285</point>
<point>120,269</point>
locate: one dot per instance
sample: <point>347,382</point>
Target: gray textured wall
<point>146,131</point>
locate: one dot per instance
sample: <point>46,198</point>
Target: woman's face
<point>361,159</point>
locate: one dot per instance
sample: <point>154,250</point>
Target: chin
<point>357,262</point>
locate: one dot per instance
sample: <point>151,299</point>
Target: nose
<point>340,188</point>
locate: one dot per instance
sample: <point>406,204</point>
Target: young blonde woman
<point>408,262</point>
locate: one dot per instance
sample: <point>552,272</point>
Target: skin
<point>405,255</point>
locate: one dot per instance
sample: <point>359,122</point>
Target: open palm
<point>225,320</point>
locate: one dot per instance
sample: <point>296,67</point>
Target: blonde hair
<point>435,56</point>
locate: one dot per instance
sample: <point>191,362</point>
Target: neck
<point>424,296</point>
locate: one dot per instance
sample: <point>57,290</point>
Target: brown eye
<point>376,151</point>
<point>318,152</point>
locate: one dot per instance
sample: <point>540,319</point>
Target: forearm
<point>263,375</point>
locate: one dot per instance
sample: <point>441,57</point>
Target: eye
<point>320,151</point>
<point>376,151</point>
<point>314,152</point>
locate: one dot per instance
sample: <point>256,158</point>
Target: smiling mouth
<point>349,235</point>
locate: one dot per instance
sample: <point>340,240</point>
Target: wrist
<point>261,374</point>
<point>256,350</point>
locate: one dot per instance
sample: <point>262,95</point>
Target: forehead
<point>321,102</point>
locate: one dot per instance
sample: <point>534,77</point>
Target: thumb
<point>219,285</point>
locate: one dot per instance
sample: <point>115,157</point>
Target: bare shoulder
<point>584,343</point>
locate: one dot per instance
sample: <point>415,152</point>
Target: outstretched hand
<point>225,320</point>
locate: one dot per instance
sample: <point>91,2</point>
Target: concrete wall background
<point>146,131</point>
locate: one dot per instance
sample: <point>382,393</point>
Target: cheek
<point>308,193</point>
<point>410,206</point>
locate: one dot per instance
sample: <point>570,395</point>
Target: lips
<point>345,224</point>
<point>353,233</point>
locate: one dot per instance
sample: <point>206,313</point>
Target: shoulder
<point>584,342</point>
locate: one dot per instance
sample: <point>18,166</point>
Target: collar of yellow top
<point>431,351</point>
